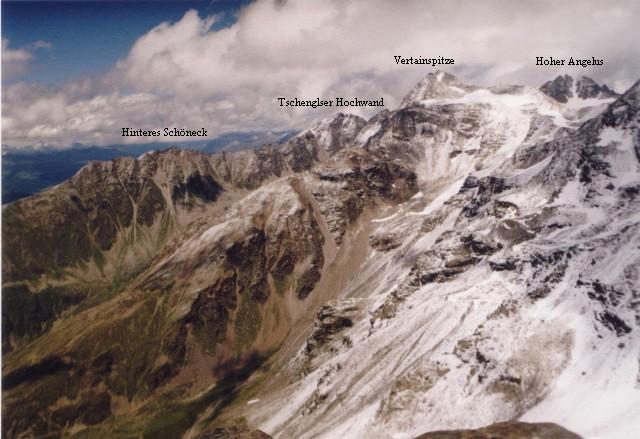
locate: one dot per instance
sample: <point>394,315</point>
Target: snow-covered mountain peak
<point>441,88</point>
<point>452,128</point>
<point>566,89</point>
<point>506,288</point>
<point>438,84</point>
<point>632,96</point>
<point>581,98</point>
<point>334,134</point>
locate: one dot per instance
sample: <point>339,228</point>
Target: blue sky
<point>88,37</point>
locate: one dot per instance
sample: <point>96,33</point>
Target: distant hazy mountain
<point>246,140</point>
<point>27,172</point>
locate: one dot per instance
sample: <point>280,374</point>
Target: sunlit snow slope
<point>512,289</point>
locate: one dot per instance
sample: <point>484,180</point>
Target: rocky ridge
<point>507,256</point>
<point>199,255</point>
<point>565,87</point>
<point>473,248</point>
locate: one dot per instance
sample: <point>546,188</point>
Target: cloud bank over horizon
<point>186,74</point>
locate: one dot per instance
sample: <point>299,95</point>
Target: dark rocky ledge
<point>506,430</point>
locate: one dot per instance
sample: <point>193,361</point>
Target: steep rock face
<point>595,149</point>
<point>343,194</point>
<point>436,85</point>
<point>331,319</point>
<point>452,129</point>
<point>338,133</point>
<point>565,87</point>
<point>72,223</point>
<point>501,295</point>
<point>107,222</point>
<point>250,169</point>
<point>98,229</point>
<point>559,89</point>
<point>217,294</point>
<point>447,138</point>
<point>79,220</point>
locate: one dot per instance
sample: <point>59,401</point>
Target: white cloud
<point>41,44</point>
<point>185,74</point>
<point>14,61</point>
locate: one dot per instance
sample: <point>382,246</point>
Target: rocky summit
<point>465,265</point>
<point>566,87</point>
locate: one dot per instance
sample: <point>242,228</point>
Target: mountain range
<point>465,265</point>
<point>26,172</point>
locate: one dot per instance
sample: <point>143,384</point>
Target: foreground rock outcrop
<point>506,430</point>
<point>233,432</point>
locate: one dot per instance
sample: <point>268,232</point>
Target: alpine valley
<point>467,265</point>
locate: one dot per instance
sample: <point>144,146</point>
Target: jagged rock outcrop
<point>196,262</point>
<point>506,430</point>
<point>331,320</point>
<point>338,133</point>
<point>82,219</point>
<point>233,432</point>
<point>385,242</point>
<point>564,87</point>
<point>436,85</point>
<point>520,236</point>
